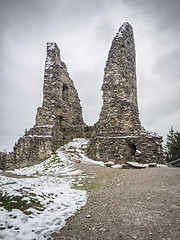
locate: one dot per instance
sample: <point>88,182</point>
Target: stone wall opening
<point>65,92</point>
<point>132,147</point>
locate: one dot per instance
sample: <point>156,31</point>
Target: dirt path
<point>127,204</point>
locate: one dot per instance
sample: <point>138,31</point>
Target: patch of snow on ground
<point>49,185</point>
<point>78,146</point>
<point>48,189</point>
<point>162,165</point>
<point>117,166</point>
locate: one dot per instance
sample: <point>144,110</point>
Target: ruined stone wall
<point>120,149</point>
<point>61,109</point>
<point>119,135</point>
<point>119,113</point>
<point>59,119</point>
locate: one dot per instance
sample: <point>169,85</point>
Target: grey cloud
<point>84,31</point>
<point>164,12</point>
<point>167,67</point>
<point>167,70</point>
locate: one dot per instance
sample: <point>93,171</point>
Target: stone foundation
<point>143,149</point>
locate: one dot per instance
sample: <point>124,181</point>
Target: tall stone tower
<point>119,135</point>
<point>119,114</point>
<point>58,120</point>
<point>61,112</point>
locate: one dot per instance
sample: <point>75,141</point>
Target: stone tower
<point>58,120</point>
<point>119,114</point>
<point>61,112</point>
<point>119,136</point>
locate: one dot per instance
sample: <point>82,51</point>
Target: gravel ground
<point>127,204</point>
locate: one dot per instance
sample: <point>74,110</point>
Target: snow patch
<point>45,125</point>
<point>50,184</point>
<point>49,63</point>
<point>78,146</point>
<point>121,30</point>
<point>51,46</point>
<point>138,151</point>
<point>117,166</point>
<point>119,137</point>
<point>39,136</point>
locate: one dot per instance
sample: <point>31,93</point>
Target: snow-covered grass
<point>35,201</point>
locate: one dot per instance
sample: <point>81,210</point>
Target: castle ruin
<point>57,121</point>
<point>118,135</point>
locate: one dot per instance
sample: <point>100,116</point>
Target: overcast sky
<point>83,30</point>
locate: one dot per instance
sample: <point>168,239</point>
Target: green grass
<point>17,202</point>
<point>86,184</point>
<point>97,182</point>
<point>13,202</point>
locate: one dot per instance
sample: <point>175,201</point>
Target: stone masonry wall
<point>58,120</point>
<point>143,149</point>
<point>119,113</point>
<point>119,135</point>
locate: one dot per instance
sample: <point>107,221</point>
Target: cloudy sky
<point>83,30</point>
